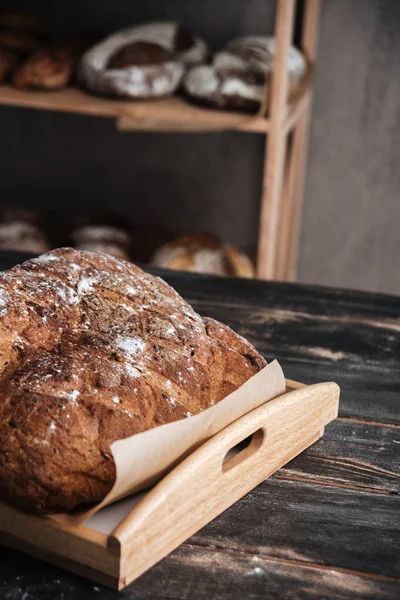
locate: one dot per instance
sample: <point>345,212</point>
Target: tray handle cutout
<point>242,451</point>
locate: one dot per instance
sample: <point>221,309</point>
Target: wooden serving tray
<point>201,487</point>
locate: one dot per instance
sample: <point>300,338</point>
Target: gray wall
<point>351,231</point>
<point>213,181</point>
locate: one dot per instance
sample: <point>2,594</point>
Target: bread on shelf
<point>97,237</point>
<point>146,61</point>
<point>52,66</point>
<point>203,254</point>
<point>19,230</point>
<point>238,77</point>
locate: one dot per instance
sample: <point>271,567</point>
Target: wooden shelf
<point>285,155</point>
<point>169,114</point>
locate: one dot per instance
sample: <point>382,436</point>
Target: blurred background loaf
<point>203,254</point>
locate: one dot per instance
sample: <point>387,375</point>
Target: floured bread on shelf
<point>20,231</point>
<point>238,77</point>
<point>202,253</point>
<point>146,61</point>
<point>93,349</point>
<point>98,237</point>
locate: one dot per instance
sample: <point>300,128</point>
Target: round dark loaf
<point>93,349</point>
<point>146,61</point>
<point>102,238</point>
<point>238,77</point>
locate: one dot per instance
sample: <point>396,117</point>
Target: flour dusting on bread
<point>93,349</point>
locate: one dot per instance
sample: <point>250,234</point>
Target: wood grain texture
<point>351,455</point>
<point>312,524</point>
<point>196,572</point>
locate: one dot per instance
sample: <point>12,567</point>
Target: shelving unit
<point>170,114</point>
<point>284,165</point>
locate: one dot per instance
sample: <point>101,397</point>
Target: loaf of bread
<point>52,66</point>
<point>93,349</point>
<point>47,69</point>
<point>146,61</point>
<point>20,231</point>
<point>108,239</point>
<point>203,253</point>
<point>238,77</point>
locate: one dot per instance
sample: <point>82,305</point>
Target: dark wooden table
<point>327,526</point>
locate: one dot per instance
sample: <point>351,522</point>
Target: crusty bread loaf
<point>145,61</point>
<point>22,236</point>
<point>108,239</point>
<point>52,66</point>
<point>202,253</point>
<point>92,349</point>
<point>238,76</point>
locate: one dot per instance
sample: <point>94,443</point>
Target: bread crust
<point>51,67</point>
<point>238,77</point>
<point>93,349</point>
<point>201,253</point>
<point>142,62</point>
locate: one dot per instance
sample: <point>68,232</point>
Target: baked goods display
<point>93,350</point>
<point>203,254</point>
<point>259,51</point>
<point>238,77</point>
<point>140,62</point>
<point>19,231</point>
<point>103,238</point>
<point>32,62</point>
<point>148,61</point>
<point>106,232</point>
<point>227,83</point>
